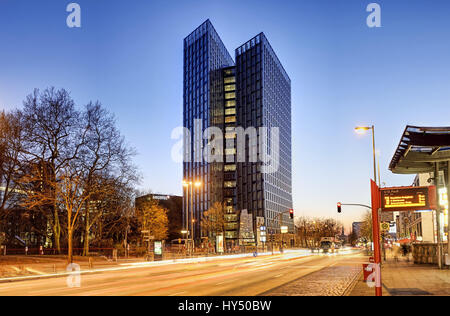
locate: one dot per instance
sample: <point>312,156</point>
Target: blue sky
<point>128,55</point>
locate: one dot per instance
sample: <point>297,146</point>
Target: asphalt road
<point>229,277</point>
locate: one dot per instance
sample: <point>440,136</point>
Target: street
<point>248,276</point>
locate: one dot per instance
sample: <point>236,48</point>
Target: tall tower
<point>204,57</point>
<point>264,100</point>
<point>254,93</point>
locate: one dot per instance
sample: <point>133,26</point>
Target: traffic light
<point>291,213</point>
<point>339,207</point>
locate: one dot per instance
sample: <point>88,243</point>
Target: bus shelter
<point>427,150</point>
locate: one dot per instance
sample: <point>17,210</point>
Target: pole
<point>448,211</point>
<point>186,213</point>
<point>281,233</point>
<point>376,236</point>
<point>379,173</point>
<point>438,215</point>
<point>374,157</point>
<point>192,216</point>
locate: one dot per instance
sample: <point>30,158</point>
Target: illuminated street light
<point>190,198</point>
<point>362,130</point>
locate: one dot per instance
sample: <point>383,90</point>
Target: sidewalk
<point>404,278</point>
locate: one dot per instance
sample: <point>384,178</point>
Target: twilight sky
<point>128,55</point>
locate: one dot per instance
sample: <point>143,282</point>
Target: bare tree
<point>104,156</point>
<point>366,229</point>
<point>311,230</point>
<point>10,152</point>
<point>53,138</point>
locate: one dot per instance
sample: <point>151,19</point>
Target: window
<point>231,95</point>
<point>231,226</point>
<point>229,80</point>
<point>230,103</point>
<point>230,135</point>
<point>230,87</point>
<point>230,119</point>
<point>230,234</point>
<point>230,151</point>
<point>229,184</point>
<point>230,168</point>
<point>231,111</point>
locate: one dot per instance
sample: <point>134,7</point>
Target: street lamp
<point>362,130</point>
<point>191,184</point>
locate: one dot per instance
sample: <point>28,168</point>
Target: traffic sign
<point>385,226</point>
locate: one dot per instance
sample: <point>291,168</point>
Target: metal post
<point>374,158</point>
<point>192,218</point>
<point>376,236</point>
<point>186,213</point>
<point>438,214</point>
<point>379,173</point>
<point>448,211</point>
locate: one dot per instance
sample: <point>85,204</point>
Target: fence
<point>426,253</point>
<point>107,252</point>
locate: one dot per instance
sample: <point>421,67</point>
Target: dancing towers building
<point>255,92</point>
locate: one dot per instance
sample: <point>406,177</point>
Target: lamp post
<point>376,204</point>
<point>190,227</point>
<point>362,130</point>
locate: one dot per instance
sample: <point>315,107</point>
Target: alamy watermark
<point>74,18</point>
<point>234,145</point>
<point>74,278</point>
<point>374,18</point>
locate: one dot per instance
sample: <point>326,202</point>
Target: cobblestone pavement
<point>330,281</point>
<point>405,278</point>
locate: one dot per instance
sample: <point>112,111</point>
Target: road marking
<point>179,293</point>
<point>277,276</point>
<point>225,282</point>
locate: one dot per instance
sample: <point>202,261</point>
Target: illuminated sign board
<point>408,199</point>
<point>158,248</point>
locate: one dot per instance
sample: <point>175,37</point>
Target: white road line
<point>179,293</point>
<point>277,276</point>
<point>225,282</point>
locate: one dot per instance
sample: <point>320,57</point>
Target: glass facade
<point>264,100</point>
<point>256,92</point>
<point>204,58</point>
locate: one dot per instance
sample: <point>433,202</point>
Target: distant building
<point>20,226</point>
<point>174,206</point>
<point>356,228</point>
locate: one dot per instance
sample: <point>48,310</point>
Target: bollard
<point>115,255</point>
<point>91,265</point>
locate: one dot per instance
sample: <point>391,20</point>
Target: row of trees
<point>69,167</point>
<point>311,230</point>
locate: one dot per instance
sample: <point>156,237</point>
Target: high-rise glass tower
<point>253,93</point>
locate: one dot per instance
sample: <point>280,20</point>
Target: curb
<point>352,284</point>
